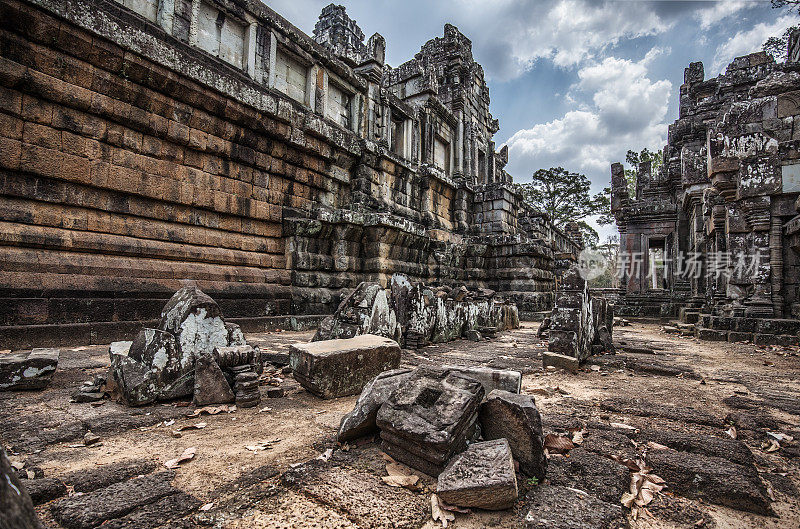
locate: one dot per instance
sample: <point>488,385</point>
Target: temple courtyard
<point>718,422</point>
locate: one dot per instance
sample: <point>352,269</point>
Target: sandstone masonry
<point>147,142</point>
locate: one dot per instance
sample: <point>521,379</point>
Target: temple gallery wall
<point>144,144</point>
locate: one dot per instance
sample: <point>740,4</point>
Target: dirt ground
<point>656,383</point>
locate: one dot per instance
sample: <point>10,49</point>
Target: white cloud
<point>627,111</point>
<point>567,32</point>
<point>748,41</point>
<point>720,11</point>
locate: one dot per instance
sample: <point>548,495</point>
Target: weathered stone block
<point>556,360</point>
<point>210,384</point>
<point>16,507</point>
<point>30,370</point>
<point>516,418</point>
<point>429,418</point>
<point>337,368</point>
<point>482,477</point>
<point>491,379</point>
<point>361,421</point>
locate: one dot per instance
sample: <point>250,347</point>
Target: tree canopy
<point>566,197</point>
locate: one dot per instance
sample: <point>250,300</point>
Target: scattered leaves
<point>187,455</point>
<point>643,488</point>
<point>438,514</point>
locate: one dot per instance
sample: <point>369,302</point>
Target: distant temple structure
<point>149,142</point>
<point>713,234</point>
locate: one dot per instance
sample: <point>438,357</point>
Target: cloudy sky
<point>575,83</point>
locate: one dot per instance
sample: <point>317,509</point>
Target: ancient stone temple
<point>712,234</point>
<point>148,142</point>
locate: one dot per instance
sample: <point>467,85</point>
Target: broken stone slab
<point>491,379</point>
<point>429,418</point>
<point>338,368</point>
<point>731,449</point>
<point>596,474</point>
<point>568,363</point>
<point>149,368</point>
<point>514,417</point>
<point>361,420</point>
<point>93,508</point>
<point>555,507</point>
<point>156,514</point>
<point>16,507</point>
<point>210,385</point>
<point>482,477</point>
<point>712,479</point>
<point>45,489</point>
<point>28,370</point>
<point>97,478</point>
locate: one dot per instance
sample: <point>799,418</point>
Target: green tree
<point>609,249</point>
<point>778,46</point>
<point>634,158</point>
<point>566,197</point>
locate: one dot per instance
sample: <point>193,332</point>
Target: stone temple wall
<point>723,208</point>
<point>147,143</point>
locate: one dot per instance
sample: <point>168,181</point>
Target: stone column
<point>776,265</point>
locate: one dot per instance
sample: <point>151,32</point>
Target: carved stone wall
<point>142,147</point>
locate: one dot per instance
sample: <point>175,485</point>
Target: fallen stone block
<point>568,363</point>
<point>98,478</point>
<point>337,368</point>
<point>712,479</point>
<point>92,509</point>
<point>785,340</point>
<point>731,449</point>
<point>16,507</point>
<point>491,379</point>
<point>596,474</point>
<point>514,417</point>
<point>712,335</point>
<point>210,385</point>
<point>554,507</point>
<point>28,370</point>
<point>361,420</point>
<point>156,514</point>
<point>482,477</point>
<point>429,418</point>
<point>45,489</point>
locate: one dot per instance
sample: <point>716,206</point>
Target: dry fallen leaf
<point>207,506</point>
<point>577,435</point>
<point>399,476</point>
<point>622,426</point>
<point>557,443</point>
<point>732,433</point>
<point>656,446</point>
<point>18,465</point>
<point>212,410</point>
<point>187,455</point>
<point>198,426</point>
<point>439,514</point>
<point>325,455</point>
<point>771,445</point>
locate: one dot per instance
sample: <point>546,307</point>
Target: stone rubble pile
<point>579,326</point>
<point>414,314</point>
<point>437,421</point>
<point>184,356</point>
